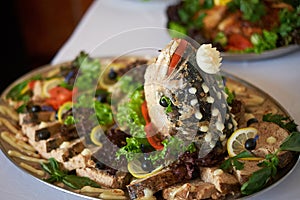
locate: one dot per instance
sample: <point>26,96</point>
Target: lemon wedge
<point>106,81</point>
<point>221,2</point>
<point>49,84</point>
<point>96,134</point>
<point>135,169</point>
<point>236,142</point>
<point>25,89</point>
<point>63,109</point>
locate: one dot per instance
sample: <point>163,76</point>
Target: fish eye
<point>165,101</point>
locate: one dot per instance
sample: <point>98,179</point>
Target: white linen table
<point>279,77</point>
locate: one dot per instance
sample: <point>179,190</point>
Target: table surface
<point>121,26</point>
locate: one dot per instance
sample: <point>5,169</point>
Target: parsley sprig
<point>234,161</point>
<point>59,175</point>
<point>269,166</point>
<point>282,121</point>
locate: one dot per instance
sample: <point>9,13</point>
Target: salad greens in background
<point>188,20</point>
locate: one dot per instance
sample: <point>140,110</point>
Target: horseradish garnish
<point>208,59</point>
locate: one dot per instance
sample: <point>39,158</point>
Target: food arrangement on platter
<point>237,26</point>
<point>169,127</point>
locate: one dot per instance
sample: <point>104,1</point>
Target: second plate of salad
<point>241,30</point>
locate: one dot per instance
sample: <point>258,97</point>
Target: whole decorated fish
<point>186,99</point>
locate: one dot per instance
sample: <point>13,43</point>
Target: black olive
<point>100,165</point>
<point>73,172</point>
<point>47,108</point>
<point>35,108</point>
<point>43,134</point>
<point>69,76</point>
<point>112,74</point>
<point>163,102</point>
<point>102,97</point>
<point>146,149</point>
<point>147,165</point>
<point>251,121</point>
<point>143,148</point>
<point>200,132</point>
<point>250,144</point>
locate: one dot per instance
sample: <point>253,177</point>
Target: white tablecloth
<point>126,21</point>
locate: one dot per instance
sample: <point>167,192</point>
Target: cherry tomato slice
<point>177,55</point>
<point>58,96</point>
<point>153,137</point>
<point>238,42</point>
<point>145,112</point>
<point>31,84</point>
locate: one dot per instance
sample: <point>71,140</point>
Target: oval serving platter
<point>259,103</point>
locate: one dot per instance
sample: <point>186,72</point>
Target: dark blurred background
<point>33,31</point>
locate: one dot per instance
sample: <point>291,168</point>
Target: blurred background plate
<point>281,51</point>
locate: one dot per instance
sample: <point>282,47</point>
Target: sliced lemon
<point>135,169</point>
<point>106,81</point>
<point>25,89</point>
<point>236,142</point>
<point>49,84</point>
<point>221,2</point>
<point>96,134</point>
<point>63,109</point>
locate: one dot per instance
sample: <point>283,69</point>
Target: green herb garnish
<point>190,17</point>
<point>230,95</point>
<point>234,162</point>
<point>59,175</point>
<point>69,120</point>
<point>252,10</point>
<point>132,148</point>
<point>103,113</point>
<point>262,42</point>
<point>89,72</point>
<point>289,25</point>
<point>269,166</point>
<point>282,121</point>
<point>129,116</point>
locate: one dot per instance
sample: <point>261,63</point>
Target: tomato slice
<point>153,137</point>
<point>145,112</point>
<point>238,42</point>
<point>177,55</point>
<point>58,96</point>
<point>31,84</point>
